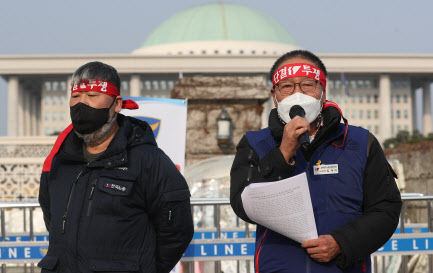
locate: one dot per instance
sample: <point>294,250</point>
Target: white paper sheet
<point>283,206</point>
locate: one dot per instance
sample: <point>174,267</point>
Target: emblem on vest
<point>320,169</point>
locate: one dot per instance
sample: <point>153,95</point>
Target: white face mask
<point>312,107</point>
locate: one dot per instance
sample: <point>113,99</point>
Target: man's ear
<point>274,97</point>
<point>118,104</point>
<point>324,96</point>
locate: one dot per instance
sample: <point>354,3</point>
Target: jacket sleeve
<point>247,169</point>
<point>170,212</point>
<point>381,209</point>
<point>44,199</point>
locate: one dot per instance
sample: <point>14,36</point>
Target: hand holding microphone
<point>304,139</point>
<point>295,133</point>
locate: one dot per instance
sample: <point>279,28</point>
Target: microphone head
<point>297,110</point>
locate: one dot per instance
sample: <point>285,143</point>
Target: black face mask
<point>86,119</point>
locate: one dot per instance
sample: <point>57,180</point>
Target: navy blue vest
<point>336,198</point>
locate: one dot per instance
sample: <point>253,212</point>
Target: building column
<point>21,119</point>
<point>27,113</point>
<point>39,113</point>
<point>426,110</point>
<point>385,111</point>
<point>34,120</point>
<point>134,86</point>
<point>415,110</point>
<point>13,86</point>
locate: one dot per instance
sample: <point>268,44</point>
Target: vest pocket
<point>49,263</point>
<point>119,266</point>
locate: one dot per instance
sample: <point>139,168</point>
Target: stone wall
<point>243,98</point>
<point>417,162</point>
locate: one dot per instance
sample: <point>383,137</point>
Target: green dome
<point>219,22</point>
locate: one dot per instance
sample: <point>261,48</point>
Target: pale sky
<point>108,26</point>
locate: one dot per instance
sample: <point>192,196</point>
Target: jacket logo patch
<point>154,123</point>
<point>115,187</point>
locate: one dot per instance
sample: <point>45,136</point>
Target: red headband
<point>299,70</point>
<point>103,87</point>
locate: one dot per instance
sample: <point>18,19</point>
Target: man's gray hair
<point>96,70</point>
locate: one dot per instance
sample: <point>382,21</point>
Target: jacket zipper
<point>170,220</point>
<point>91,196</point>
<point>251,166</point>
<point>308,264</point>
<point>65,215</point>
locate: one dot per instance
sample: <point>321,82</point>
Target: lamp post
<point>224,133</point>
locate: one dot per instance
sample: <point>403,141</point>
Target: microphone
<point>304,139</point>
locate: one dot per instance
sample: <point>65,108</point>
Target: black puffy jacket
<point>127,211</point>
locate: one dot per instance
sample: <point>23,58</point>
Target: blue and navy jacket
<point>339,199</point>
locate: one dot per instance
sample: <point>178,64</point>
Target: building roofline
<point>128,63</point>
<point>133,56</point>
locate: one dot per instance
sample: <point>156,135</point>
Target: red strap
<point>345,134</point>
<point>55,149</point>
<point>258,251</point>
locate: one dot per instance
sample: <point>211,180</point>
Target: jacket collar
<point>132,132</point>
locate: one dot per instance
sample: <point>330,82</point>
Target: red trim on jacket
<point>345,134</point>
<point>56,147</point>
<point>258,251</point>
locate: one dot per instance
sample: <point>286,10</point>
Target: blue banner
<point>29,252</point>
<point>214,250</point>
<point>415,245</point>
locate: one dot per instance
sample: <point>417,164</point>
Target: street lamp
<point>224,129</point>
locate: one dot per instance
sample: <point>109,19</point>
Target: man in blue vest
<point>356,206</point>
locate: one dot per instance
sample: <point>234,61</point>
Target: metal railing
<point>217,203</point>
<point>408,197</point>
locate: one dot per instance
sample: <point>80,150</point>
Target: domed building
<point>218,29</point>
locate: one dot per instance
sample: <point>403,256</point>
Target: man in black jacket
<point>112,200</point>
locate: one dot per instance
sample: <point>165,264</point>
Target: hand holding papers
<point>283,206</point>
